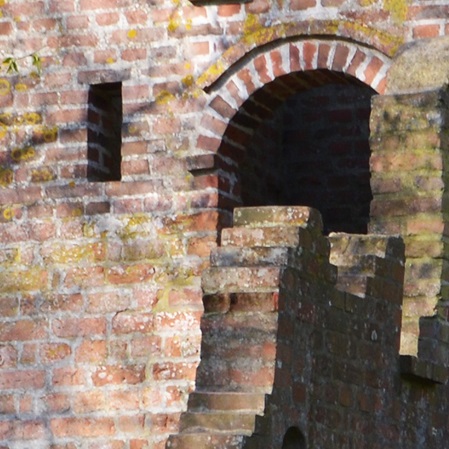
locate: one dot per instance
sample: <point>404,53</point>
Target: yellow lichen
<point>188,80</point>
<point>18,120</point>
<point>5,86</point>
<point>3,130</point>
<point>6,118</point>
<point>134,226</point>
<point>67,253</point>
<point>132,34</point>
<point>32,118</point>
<point>385,39</point>
<point>213,71</point>
<point>23,154</point>
<point>164,97</point>
<point>50,134</point>
<point>21,87</point>
<point>89,230</point>
<point>177,283</point>
<point>173,24</point>
<point>398,9</point>
<point>8,214</point>
<point>251,24</point>
<point>6,177</point>
<point>42,174</point>
<point>34,278</point>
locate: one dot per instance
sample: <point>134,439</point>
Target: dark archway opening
<point>304,140</point>
<point>293,439</point>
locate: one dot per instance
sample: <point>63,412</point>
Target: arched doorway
<point>311,148</point>
<point>293,439</point>
<point>290,126</point>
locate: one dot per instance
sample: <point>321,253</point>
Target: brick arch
<point>245,99</point>
<point>227,95</point>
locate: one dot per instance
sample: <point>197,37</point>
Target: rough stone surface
<point>420,66</point>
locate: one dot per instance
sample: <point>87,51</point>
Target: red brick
<point>9,306</point>
<point>134,54</point>
<point>45,25</point>
<point>426,31</point>
<point>131,424</point>
<point>247,77</point>
<point>199,48</point>
<point>53,352</point>
<point>66,6</point>
<point>106,19</point>
<point>123,400</point>
<point>298,5</point>
<point>135,17</point>
<point>22,379</point>
<point>373,69</point>
<point>82,427</point>
<point>145,346</point>
<point>118,375</point>
<point>85,277</point>
<point>261,66</point>
<point>340,57</point>
<point>74,60</point>
<point>76,327</point>
<point>92,351</point>
<point>171,371</point>
<point>125,323</point>
<point>68,377</point>
<point>104,4</point>
<point>309,51</point>
<point>135,167</point>
<point>6,27</point>
<point>88,402</point>
<point>23,330</point>
<point>129,274</point>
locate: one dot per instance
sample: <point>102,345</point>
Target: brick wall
<point>100,282</point>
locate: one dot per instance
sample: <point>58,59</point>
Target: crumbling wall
<point>319,341</point>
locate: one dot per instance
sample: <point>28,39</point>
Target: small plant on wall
<point>12,65</point>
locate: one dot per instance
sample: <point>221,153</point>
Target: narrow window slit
<point>105,118</point>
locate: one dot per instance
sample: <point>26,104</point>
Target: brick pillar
<point>409,176</point>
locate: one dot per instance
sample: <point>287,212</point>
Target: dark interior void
<point>304,140</point>
<point>293,439</point>
<point>105,117</point>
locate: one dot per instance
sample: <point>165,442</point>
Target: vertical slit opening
<point>105,118</point>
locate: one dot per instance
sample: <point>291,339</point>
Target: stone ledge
<point>413,368</point>
<point>103,76</point>
<point>202,162</point>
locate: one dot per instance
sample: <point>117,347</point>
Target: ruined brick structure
<point>224,224</point>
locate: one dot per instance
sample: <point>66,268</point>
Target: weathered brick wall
<point>318,341</point>
<point>100,293</point>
